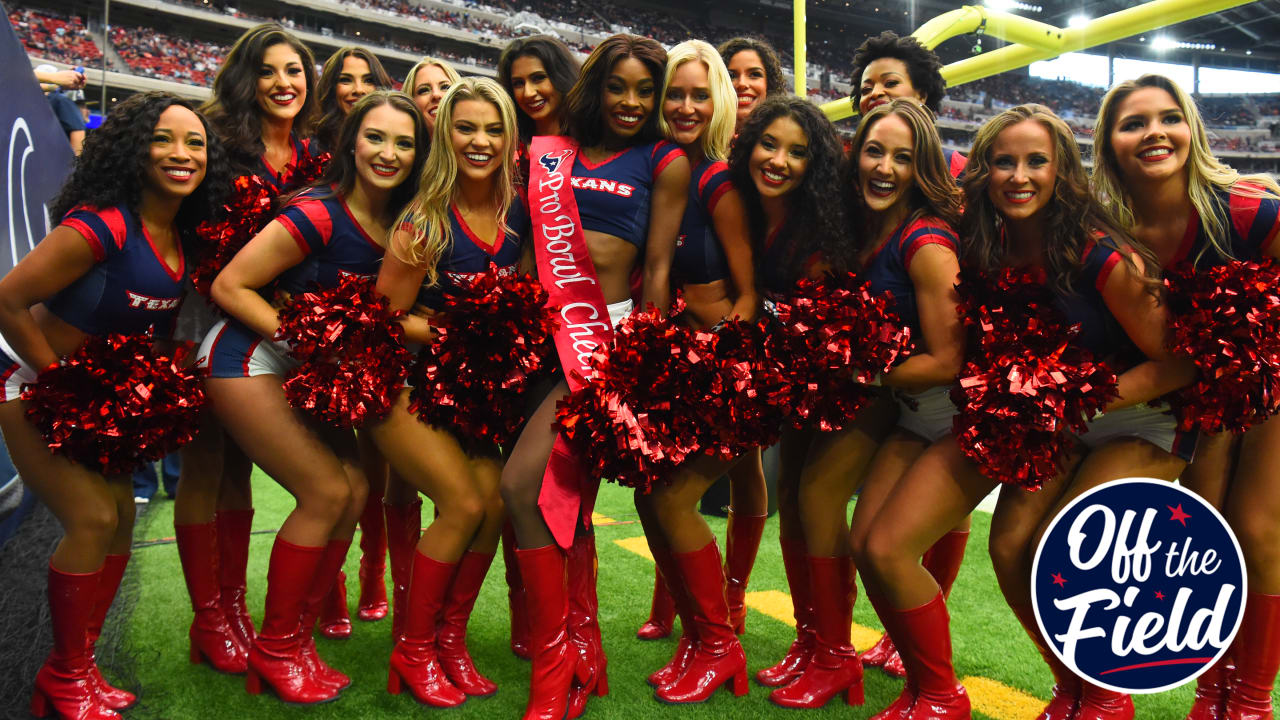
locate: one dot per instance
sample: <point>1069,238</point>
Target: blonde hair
<point>444,65</point>
<point>428,212</point>
<point>1206,174</point>
<point>724,101</point>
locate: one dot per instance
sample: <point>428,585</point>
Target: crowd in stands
<point>54,36</point>
<point>154,54</point>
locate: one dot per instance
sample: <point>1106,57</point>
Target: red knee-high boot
<point>515,594</point>
<point>414,662</point>
<point>900,708</point>
<point>555,659</point>
<point>112,573</point>
<point>795,563</point>
<point>1211,692</point>
<point>65,686</point>
<point>451,632</point>
<point>211,637</point>
<point>717,658</point>
<point>404,527</point>
<point>335,620</point>
<point>742,543</point>
<point>1101,704</point>
<point>327,575</point>
<point>670,574</point>
<point>834,668</point>
<point>584,623</point>
<point>234,528</point>
<point>1257,659</point>
<point>926,640</point>
<point>373,562</point>
<point>662,611</point>
<point>1064,702</point>
<point>943,563</point>
<point>276,657</point>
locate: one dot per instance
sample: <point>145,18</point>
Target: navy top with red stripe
<point>1100,332</point>
<point>1252,225</point>
<point>469,255</point>
<point>130,287</point>
<point>324,229</point>
<point>699,257</point>
<point>888,268</point>
<point>613,195</point>
<point>284,180</point>
<point>956,162</point>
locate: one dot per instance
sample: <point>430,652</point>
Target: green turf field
<point>999,664</point>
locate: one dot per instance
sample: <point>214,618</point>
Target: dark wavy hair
<point>341,173</point>
<point>111,169</point>
<point>584,114</point>
<point>1074,213</point>
<point>933,192</point>
<point>817,220</point>
<point>233,107</point>
<point>556,58</point>
<point>776,83</point>
<point>923,66</point>
<point>325,128</point>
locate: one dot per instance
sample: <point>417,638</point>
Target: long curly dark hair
<point>233,107</point>
<point>341,172</point>
<point>776,83</point>
<point>556,59</point>
<point>111,169</point>
<point>326,127</point>
<point>817,219</point>
<point>584,113</point>
<point>1073,214</point>
<point>923,66</point>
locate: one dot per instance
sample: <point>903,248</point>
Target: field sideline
<point>1004,674</point>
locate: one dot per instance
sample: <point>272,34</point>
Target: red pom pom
<point>495,334</point>
<point>242,217</point>
<point>351,354</point>
<point>1227,319</point>
<point>835,337</point>
<point>1025,389</point>
<point>744,398</point>
<point>115,404</point>
<point>306,171</point>
<point>631,421</point>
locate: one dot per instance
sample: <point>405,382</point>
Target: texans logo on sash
<point>551,162</point>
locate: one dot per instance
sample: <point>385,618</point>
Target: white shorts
<point>619,310</point>
<point>931,419</point>
<point>1155,425</point>
<point>14,372</point>
<point>232,350</point>
<point>196,318</point>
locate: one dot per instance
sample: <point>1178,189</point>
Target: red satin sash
<point>566,271</point>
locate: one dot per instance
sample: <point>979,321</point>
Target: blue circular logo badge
<point>1138,585</point>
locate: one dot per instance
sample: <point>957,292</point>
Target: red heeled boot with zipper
<point>64,685</point>
<point>112,573</point>
<point>742,544</point>
<point>555,659</point>
<point>581,570</point>
<point>943,562</point>
<point>276,658</point>
<point>414,661</point>
<point>1211,691</point>
<point>834,668</point>
<point>519,642</point>
<point>662,611</point>
<point>327,575</point>
<point>718,658</point>
<point>404,528</point>
<point>901,706</point>
<point>796,564</point>
<point>373,562</point>
<point>1101,704</point>
<point>675,667</point>
<point>335,620</point>
<point>211,637</point>
<point>451,632</point>
<point>926,635</point>
<point>234,529</point>
<point>1257,659</point>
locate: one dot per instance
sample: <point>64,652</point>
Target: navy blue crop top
<point>130,288</point>
<point>326,231</point>
<point>469,256</point>
<point>284,180</point>
<point>699,257</point>
<point>888,268</point>
<point>1100,332</point>
<point>1252,224</point>
<point>613,195</point>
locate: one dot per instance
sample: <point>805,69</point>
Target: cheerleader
<point>145,179</point>
<point>755,72</point>
<point>349,74</point>
<point>1027,203</point>
<point>465,217</point>
<point>537,72</point>
<point>1156,173</point>
<point>783,161</point>
<point>258,116</point>
<point>340,221</point>
<point>887,67</point>
<point>426,83</point>
<point>629,188</point>
<point>713,267</point>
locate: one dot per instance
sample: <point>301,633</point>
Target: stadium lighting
<point>1163,43</point>
<point>1012,5</point>
<point>1078,21</point>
